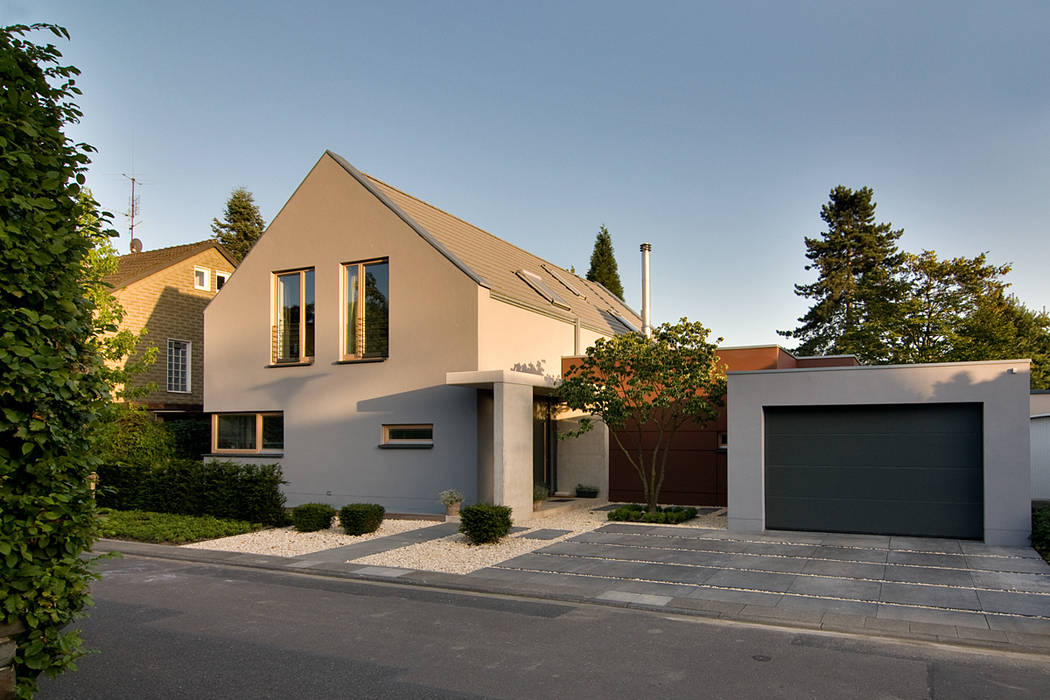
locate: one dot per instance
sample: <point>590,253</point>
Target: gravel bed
<point>286,542</point>
<point>453,555</point>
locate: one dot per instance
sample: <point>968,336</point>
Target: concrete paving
<point>949,591</point>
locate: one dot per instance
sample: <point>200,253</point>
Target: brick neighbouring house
<point>165,292</point>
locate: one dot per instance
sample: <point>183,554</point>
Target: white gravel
<point>449,554</point>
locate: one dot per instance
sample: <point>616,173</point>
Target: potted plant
<point>584,491</point>
<point>451,498</point>
<point>539,495</point>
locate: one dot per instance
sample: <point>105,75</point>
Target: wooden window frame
<point>359,322</point>
<point>303,358</point>
<point>393,443</point>
<point>258,449</point>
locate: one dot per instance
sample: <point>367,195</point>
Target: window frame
<point>206,285</point>
<point>303,358</point>
<point>386,442</point>
<point>344,276</point>
<point>189,367</point>
<point>225,278</point>
<point>258,449</point>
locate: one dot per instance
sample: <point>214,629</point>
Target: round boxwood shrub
<point>484,523</point>
<point>361,518</point>
<point>310,517</point>
<point>671,515</point>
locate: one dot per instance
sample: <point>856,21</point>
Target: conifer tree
<point>241,226</point>
<point>603,264</point>
<point>860,282</point>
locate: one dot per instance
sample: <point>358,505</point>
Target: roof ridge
<point>171,247</point>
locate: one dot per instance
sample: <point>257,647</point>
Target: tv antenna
<point>132,214</point>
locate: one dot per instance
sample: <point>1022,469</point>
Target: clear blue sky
<point>713,131</point>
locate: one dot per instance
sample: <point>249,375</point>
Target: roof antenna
<point>136,244</point>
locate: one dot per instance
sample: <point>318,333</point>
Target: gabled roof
<point>135,266</point>
<point>494,263</point>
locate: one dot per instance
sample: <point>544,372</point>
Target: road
<point>182,630</point>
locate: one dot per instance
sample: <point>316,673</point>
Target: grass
<point>167,528</point>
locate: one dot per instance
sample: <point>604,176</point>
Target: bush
<point>483,523</point>
<point>540,493</point>
<point>361,518</point>
<point>584,491</point>
<point>1041,529</point>
<point>191,436</point>
<point>168,528</point>
<point>250,492</point>
<point>671,515</point>
<point>311,517</point>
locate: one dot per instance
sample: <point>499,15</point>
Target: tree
<point>603,268</point>
<point>1002,328</point>
<point>858,281</point>
<point>52,375</point>
<point>241,225</point>
<point>631,382</point>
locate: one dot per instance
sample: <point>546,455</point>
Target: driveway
<point>898,580</point>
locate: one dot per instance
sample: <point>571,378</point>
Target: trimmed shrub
<point>585,491</point>
<point>192,436</point>
<point>671,515</point>
<point>361,518</point>
<point>311,517</point>
<point>1041,528</point>
<point>143,526</point>
<point>540,493</point>
<point>484,523</point>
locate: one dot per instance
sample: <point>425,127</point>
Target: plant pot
<point>452,509</point>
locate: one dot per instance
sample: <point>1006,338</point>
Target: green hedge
<point>361,518</point>
<point>311,517</point>
<point>250,492</point>
<point>1041,528</point>
<point>671,515</point>
<point>168,528</point>
<point>484,523</point>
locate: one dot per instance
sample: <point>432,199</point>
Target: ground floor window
<point>178,366</point>
<point>247,432</point>
<point>414,435</point>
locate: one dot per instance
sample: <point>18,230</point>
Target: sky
<point>714,131</point>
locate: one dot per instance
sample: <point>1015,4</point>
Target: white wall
<point>1001,386</point>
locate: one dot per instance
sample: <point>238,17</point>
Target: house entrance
<point>544,445</point>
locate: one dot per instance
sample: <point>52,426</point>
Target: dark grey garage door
<point>898,470</point>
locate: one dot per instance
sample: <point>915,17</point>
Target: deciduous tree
<point>633,383</point>
<point>604,269</point>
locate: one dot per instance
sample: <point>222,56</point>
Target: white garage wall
<point>1001,386</point>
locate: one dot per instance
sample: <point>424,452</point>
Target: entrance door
<point>544,445</point>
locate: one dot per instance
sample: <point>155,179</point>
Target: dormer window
<point>543,289</point>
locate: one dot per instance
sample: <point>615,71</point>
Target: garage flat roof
<point>861,368</point>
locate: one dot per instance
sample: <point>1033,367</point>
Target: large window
<point>293,323</point>
<point>366,304</point>
<point>179,366</point>
<point>247,432</point>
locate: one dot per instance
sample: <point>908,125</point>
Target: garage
<point>883,469</point>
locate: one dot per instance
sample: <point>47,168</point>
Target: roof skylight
<point>542,288</point>
<point>556,274</point>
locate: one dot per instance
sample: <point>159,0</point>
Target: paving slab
<point>636,598</point>
<point>934,596</point>
<point>752,580</point>
<point>1024,565</point>
<point>848,569</point>
<point>385,544</point>
<point>865,541</point>
<point>826,605</point>
<point>942,617</point>
<point>925,544</point>
<point>947,561</point>
<point>1039,583</point>
<point>544,534</point>
<point>1019,603</point>
<point>919,574</point>
<point>841,553</point>
<point>1011,623</point>
<point>766,563</point>
<point>998,550</point>
<point>837,588</point>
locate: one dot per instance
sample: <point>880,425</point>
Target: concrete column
<point>512,448</point>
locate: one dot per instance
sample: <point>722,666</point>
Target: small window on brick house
<point>202,278</point>
<point>178,366</point>
<point>220,279</point>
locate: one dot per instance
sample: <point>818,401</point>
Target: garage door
<point>899,470</point>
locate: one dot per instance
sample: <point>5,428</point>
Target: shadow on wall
<point>175,316</point>
<point>537,368</point>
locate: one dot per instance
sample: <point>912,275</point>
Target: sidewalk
<point>862,585</point>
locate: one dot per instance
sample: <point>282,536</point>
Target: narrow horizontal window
<point>416,434</point>
<point>247,432</point>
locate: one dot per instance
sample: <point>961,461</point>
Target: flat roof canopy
<point>487,379</point>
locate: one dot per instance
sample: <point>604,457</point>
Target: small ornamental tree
<point>53,381</point>
<point>633,383</point>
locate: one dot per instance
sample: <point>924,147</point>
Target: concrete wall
<point>333,411</point>
<point>1001,386</point>
<point>167,306</point>
<point>584,459</point>
<point>1041,458</point>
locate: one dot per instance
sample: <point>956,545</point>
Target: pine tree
<point>603,264</point>
<point>860,286</point>
<point>241,225</point>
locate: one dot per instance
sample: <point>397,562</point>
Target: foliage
<point>52,377</point>
<point>604,269</point>
<point>1041,529</point>
<point>229,490</point>
<point>585,491</point>
<point>361,518</point>
<point>857,263</point>
<point>671,515</point>
<point>311,517</point>
<point>540,492</point>
<point>484,523</point>
<point>132,436</point>
<point>192,436</point>
<point>451,497</point>
<point>168,528</point>
<point>241,224</point>
<point>633,383</point>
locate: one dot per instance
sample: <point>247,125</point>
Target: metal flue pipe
<point>647,326</point>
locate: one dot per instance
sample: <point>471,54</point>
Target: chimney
<point>647,327</point>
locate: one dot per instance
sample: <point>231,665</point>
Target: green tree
<point>1002,328</point>
<point>632,383</point>
<point>858,286</point>
<point>241,224</point>
<point>603,268</point>
<point>53,381</point>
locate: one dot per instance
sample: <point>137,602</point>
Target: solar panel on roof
<point>542,288</point>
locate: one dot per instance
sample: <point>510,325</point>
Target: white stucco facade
<point>1001,387</point>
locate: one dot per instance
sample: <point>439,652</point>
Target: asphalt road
<point>168,629</point>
